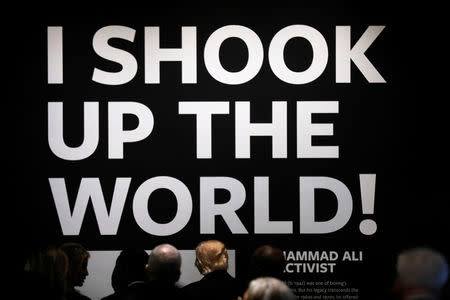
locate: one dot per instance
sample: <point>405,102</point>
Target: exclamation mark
<point>54,55</point>
<point>367,184</point>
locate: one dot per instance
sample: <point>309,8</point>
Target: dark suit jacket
<point>217,285</point>
<point>75,295</point>
<point>122,294</point>
<point>154,290</point>
<point>424,297</point>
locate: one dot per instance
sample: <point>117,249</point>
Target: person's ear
<point>199,266</point>
<point>147,271</point>
<point>246,295</point>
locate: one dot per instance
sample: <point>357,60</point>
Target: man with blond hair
<point>212,262</point>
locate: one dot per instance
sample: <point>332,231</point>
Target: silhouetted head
<point>46,274</point>
<point>421,271</point>
<point>130,267</point>
<point>268,288</point>
<point>210,256</point>
<point>78,258</point>
<point>164,264</point>
<point>267,261</point>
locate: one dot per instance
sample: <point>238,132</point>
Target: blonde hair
<point>210,256</point>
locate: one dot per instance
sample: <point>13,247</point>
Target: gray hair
<point>269,288</point>
<point>164,262</point>
<point>422,267</point>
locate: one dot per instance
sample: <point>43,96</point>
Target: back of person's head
<point>422,268</point>
<point>268,288</point>
<point>267,261</point>
<point>50,268</point>
<point>130,267</point>
<point>78,259</point>
<point>164,264</point>
<point>210,256</point>
<point>56,265</point>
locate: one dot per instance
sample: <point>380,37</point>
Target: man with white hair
<point>164,270</point>
<point>421,274</point>
<point>268,288</point>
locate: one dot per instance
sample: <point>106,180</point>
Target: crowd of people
<point>56,272</point>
